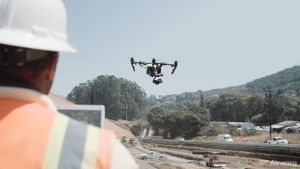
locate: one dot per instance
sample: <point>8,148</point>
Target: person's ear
<point>51,67</point>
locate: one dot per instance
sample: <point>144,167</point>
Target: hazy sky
<point>220,43</point>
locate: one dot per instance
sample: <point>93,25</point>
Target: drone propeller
<point>132,62</point>
<point>154,61</point>
<point>175,66</point>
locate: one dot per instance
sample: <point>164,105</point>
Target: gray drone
<point>154,69</point>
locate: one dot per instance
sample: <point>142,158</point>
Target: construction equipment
<point>213,157</point>
<point>124,139</point>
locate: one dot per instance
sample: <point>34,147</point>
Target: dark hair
<point>29,72</point>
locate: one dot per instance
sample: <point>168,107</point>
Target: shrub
<point>232,131</point>
<point>252,133</point>
<point>215,129</point>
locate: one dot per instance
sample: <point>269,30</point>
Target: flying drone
<point>154,69</point>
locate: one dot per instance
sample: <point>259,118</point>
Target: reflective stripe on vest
<point>74,145</point>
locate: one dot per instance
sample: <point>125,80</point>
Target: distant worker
<point>33,135</point>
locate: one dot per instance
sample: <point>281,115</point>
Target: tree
<point>258,119</point>
<point>215,129</point>
<point>155,118</point>
<point>173,122</point>
<point>198,110</point>
<point>298,92</point>
<point>280,91</point>
<point>114,93</point>
<point>235,106</point>
<point>202,104</point>
<point>254,105</point>
<point>194,122</point>
<point>292,110</point>
<point>277,108</point>
<point>228,107</point>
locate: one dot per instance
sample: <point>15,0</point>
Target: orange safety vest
<point>34,137</point>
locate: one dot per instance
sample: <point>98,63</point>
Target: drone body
<point>154,69</point>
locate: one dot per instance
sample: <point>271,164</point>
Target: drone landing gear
<point>157,82</point>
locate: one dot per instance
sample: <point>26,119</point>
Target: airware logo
<point>263,162</point>
<point>283,163</point>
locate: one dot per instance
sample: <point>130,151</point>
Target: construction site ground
<point>178,158</point>
<point>110,125</point>
<point>174,162</point>
<point>171,162</point>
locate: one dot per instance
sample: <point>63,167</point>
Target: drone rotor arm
<point>164,64</point>
<point>142,65</point>
<point>175,66</point>
<point>133,67</point>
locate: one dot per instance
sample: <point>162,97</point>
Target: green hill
<point>285,83</point>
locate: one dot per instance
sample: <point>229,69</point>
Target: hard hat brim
<point>16,37</point>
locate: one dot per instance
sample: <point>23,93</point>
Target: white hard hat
<point>35,24</point>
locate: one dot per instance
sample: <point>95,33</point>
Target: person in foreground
<point>33,135</point>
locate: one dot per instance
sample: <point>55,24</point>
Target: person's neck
<point>11,81</point>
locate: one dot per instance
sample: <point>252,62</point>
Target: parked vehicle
<point>134,143</point>
<point>124,139</point>
<point>179,138</point>
<point>278,140</point>
<point>132,140</point>
<point>225,137</point>
<point>152,155</point>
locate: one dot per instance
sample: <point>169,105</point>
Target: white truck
<point>278,140</point>
<point>224,137</point>
<point>152,155</point>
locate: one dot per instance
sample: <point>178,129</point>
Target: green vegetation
<point>253,108</point>
<point>248,108</point>
<point>115,94</point>
<point>292,109</point>
<point>178,118</point>
<point>235,106</point>
<point>187,113</point>
<point>215,129</point>
<point>247,103</point>
<point>285,83</point>
<point>277,80</point>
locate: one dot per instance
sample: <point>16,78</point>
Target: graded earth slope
<point>107,123</point>
<point>58,100</point>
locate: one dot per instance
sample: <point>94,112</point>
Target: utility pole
<point>92,98</point>
<point>270,105</point>
<point>270,113</point>
<point>126,112</point>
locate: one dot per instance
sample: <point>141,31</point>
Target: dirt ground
<point>232,162</point>
<point>170,163</point>
<point>109,125</point>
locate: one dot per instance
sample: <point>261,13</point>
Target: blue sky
<point>219,43</point>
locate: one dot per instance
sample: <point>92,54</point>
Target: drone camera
<point>158,81</point>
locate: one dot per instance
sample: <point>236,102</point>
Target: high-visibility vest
<point>34,137</point>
